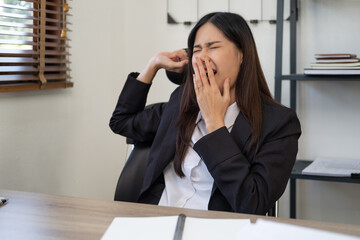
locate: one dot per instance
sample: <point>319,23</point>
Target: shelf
<point>303,77</point>
<point>296,173</point>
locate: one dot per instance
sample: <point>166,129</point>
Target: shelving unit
<point>294,77</point>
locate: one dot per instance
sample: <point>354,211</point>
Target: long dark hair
<point>250,87</point>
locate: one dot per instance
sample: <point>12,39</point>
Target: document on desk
<point>163,228</point>
<point>271,230</point>
<point>333,167</point>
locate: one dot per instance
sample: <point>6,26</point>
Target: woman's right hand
<point>171,61</point>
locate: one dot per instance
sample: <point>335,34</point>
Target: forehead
<point>209,33</point>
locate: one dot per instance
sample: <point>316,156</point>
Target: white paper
<point>333,167</point>
<point>140,228</point>
<point>163,228</point>
<point>213,229</point>
<point>270,230</point>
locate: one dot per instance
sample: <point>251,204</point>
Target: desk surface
<point>41,216</point>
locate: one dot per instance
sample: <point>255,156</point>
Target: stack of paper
<point>163,228</point>
<point>334,64</point>
<point>333,167</point>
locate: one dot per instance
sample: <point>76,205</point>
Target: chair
<point>132,175</point>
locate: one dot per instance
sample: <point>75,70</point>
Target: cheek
<point>193,57</point>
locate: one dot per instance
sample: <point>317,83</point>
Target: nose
<point>204,54</point>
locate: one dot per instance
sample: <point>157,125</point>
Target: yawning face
<point>225,58</point>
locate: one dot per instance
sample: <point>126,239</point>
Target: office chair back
<point>132,176</point>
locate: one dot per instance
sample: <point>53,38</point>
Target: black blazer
<point>243,182</point>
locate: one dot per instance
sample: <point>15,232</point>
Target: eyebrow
<point>208,44</point>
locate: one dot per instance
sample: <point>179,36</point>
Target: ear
<point>240,56</point>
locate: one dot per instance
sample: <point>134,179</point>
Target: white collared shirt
<point>193,190</point>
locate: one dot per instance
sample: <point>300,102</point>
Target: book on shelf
<point>333,167</point>
<point>331,71</point>
<point>339,60</point>
<point>346,68</point>
<point>335,65</point>
<point>334,55</point>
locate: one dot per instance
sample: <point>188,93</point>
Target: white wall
<point>59,142</point>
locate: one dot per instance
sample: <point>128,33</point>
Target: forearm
<point>171,61</point>
<point>128,117</point>
<point>149,72</point>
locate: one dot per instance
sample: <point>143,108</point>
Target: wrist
<point>149,72</point>
<point>213,126</point>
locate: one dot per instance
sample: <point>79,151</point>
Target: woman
<point>221,142</point>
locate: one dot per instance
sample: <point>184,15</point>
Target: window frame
<point>48,62</point>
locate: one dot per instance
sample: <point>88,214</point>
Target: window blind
<point>34,45</point>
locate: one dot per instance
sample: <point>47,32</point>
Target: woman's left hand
<point>212,103</point>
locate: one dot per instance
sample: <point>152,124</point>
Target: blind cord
<point>65,10</point>
<point>42,43</point>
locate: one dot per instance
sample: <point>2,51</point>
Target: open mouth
<point>214,71</point>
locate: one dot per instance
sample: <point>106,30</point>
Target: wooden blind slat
<point>19,7</point>
<point>16,52</point>
<point>30,77</point>
<point>34,9</point>
<point>13,61</point>
<point>24,53</point>
<point>20,42</point>
<point>18,33</point>
<point>34,86</point>
<point>22,25</point>
<point>23,60</point>
<point>33,1</point>
<point>14,15</point>
<point>11,69</point>
<point>8,70</point>
<point>14,24</point>
<point>20,16</point>
<point>22,77</point>
<point>47,3</point>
